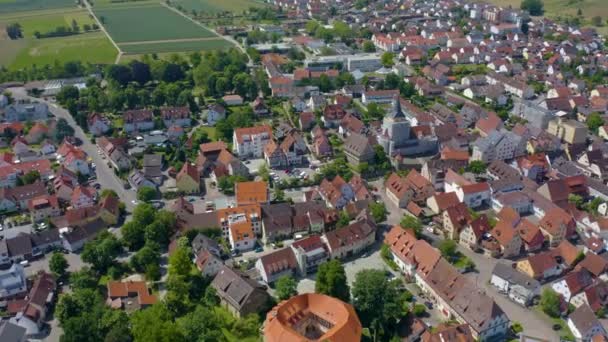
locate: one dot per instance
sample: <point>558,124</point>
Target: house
<point>83,196</point>
<point>24,111</point>
<point>414,258</point>
<point>138,120</point>
<point>38,132</point>
<point>33,313</point>
<point>333,115</point>
<point>12,282</point>
<point>232,100</point>
<point>188,180</point>
<point>44,207</point>
<point>569,131</point>
<point>310,252</point>
<point>115,152</point>
<point>594,264</point>
<point>215,113</point>
<point>337,193</point>
<point>276,264</point>
<point>379,96</point>
<point>350,240</point>
<point>573,284</point>
<point>413,187</point>
<point>12,332</point>
<point>138,180</point>
<point>474,195</point>
<point>98,124</point>
<point>455,219</point>
<point>239,294</point>
<point>531,236</point>
<point>86,227</point>
<point>497,145</point>
<point>152,170</point>
<point>473,233</point>
<point>259,107</point>
<point>584,325</point>
<point>249,142</point>
<point>358,149</point>
<point>508,239</point>
<point>541,266</point>
<point>129,295</point>
<point>208,263</point>
<point>448,332</point>
<point>306,120</point>
<point>519,287</point>
<point>441,201</point>
<point>557,225</point>
<point>247,193</point>
<point>558,190</point>
<point>175,116</point>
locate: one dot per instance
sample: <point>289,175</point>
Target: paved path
<point>90,9</point>
<point>169,41</point>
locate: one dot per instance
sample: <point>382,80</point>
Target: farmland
<point>564,8</point>
<point>154,22</point>
<point>11,6</point>
<point>176,46</point>
<point>92,47</point>
<point>217,6</point>
<point>88,47</point>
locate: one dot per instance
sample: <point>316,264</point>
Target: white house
<point>215,113</point>
<point>250,141</point>
<point>474,195</point>
<point>584,325</point>
<point>12,281</point>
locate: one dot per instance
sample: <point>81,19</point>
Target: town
<point>414,170</point>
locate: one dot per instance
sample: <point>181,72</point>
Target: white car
<point>134,202</point>
<point>93,165</point>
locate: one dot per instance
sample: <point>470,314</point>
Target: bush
<point>419,310</point>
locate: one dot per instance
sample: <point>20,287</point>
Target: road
<point>105,175</point>
<point>534,324</point>
<point>103,29</point>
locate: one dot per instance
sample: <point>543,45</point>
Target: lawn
<point>88,48</point>
<point>10,6</point>
<point>564,331</point>
<point>202,45</point>
<point>154,22</point>
<point>216,6</point>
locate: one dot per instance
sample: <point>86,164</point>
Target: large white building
<point>249,142</point>
<point>12,281</point>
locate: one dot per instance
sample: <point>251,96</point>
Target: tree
<point>83,279</point>
<point>286,287</point>
<point>102,251</point>
<point>180,263</point>
<point>447,248</point>
<point>477,167</point>
<point>534,7</point>
<point>143,214</point>
<point>141,72</point>
<point>119,73</point>
<point>419,310</point>
<point>133,235</point>
<point>58,264</point>
<point>343,219</point>
<point>331,280</point>
<point>279,194</point>
<point>30,177</point>
<point>147,255</point>
<point>377,301</point>
<point>368,46</point>
<point>550,303</point>
<point>155,324</point>
<point>63,129</point>
<point>378,211</point>
<point>594,122</point>
<point>146,193</point>
<point>412,223</point>
<point>575,199</point>
<point>597,21</point>
<point>387,59</point>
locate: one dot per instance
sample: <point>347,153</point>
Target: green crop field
<point>216,6</point>
<point>153,22</point>
<point>563,8</point>
<point>87,47</point>
<point>201,45</point>
<point>11,6</point>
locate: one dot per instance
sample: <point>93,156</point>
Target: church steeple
<point>396,112</point>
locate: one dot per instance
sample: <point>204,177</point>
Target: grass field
<point>154,22</point>
<point>87,47</point>
<point>215,6</point>
<point>203,45</point>
<point>11,6</point>
<point>46,21</point>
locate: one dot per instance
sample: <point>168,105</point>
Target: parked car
<point>259,249</point>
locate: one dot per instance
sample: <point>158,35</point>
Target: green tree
<point>378,211</point>
<point>133,235</point>
<point>146,193</point>
<point>279,194</point>
<point>448,248</point>
<point>147,255</point>
<point>201,325</point>
<point>575,199</point>
<point>419,310</point>
<point>387,59</point>
<point>550,303</point>
<point>143,214</point>
<point>377,301</point>
<point>594,122</point>
<point>477,167</point>
<point>155,324</point>
<point>343,219</point>
<point>30,177</point>
<point>286,287</point>
<point>534,7</point>
<point>58,264</point>
<point>180,263</point>
<point>412,223</point>
<point>368,46</point>
<point>331,280</point>
<point>102,251</point>
<point>83,279</point>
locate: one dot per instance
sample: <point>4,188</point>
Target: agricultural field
<point>154,22</point>
<point>176,46</point>
<point>92,47</point>
<point>11,6</point>
<point>563,8</point>
<point>217,6</point>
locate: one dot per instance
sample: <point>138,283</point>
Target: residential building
<point>238,293</point>
<point>26,111</point>
<point>249,142</point>
<point>569,131</point>
<point>12,282</point>
<point>33,312</point>
<point>358,149</point>
<point>413,187</point>
<point>276,264</point>
<point>247,193</point>
<point>129,295</point>
<point>188,180</point>
<point>519,287</point>
<point>175,116</point>
<point>152,170</point>
<point>310,252</point>
<point>215,113</point>
<point>350,240</point>
<point>139,120</point>
<point>497,145</point>
<point>584,325</point>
